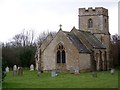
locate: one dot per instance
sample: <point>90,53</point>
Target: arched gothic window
<point>58,56</point>
<point>90,23</point>
<point>61,57</point>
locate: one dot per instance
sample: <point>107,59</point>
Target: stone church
<point>86,48</point>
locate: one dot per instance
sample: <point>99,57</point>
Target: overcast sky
<point>47,15</point>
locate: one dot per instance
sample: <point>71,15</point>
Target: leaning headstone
<point>53,74</point>
<point>14,70</point>
<point>31,67</point>
<point>20,71</point>
<point>7,69</point>
<point>112,71</point>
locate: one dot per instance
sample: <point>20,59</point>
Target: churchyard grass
<point>0,85</point>
<point>64,80</point>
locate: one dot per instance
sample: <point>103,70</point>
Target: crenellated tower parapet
<point>91,11</point>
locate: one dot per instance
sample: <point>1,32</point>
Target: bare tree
<point>43,36</point>
<point>25,38</point>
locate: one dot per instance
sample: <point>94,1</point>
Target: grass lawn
<point>63,80</point>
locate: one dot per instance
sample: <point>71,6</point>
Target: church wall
<point>85,62</point>
<point>48,59</point>
<point>107,42</point>
<point>100,61</point>
<point>49,54</point>
<point>105,39</point>
<point>72,57</point>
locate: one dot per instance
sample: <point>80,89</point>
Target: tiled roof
<point>92,40</point>
<point>78,44</point>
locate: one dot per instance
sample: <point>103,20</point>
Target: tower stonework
<point>99,17</point>
<point>96,21</point>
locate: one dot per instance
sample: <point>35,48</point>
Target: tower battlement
<point>91,11</point>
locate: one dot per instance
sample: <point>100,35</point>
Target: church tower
<point>96,21</point>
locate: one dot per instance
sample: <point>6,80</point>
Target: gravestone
<point>20,71</point>
<point>72,70</point>
<point>39,74</point>
<point>7,69</point>
<point>112,71</point>
<point>14,70</point>
<point>31,67</point>
<point>94,74</point>
<point>53,74</point>
<point>58,70</point>
<point>77,70</point>
<point>39,71</point>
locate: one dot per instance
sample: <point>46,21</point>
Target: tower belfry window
<point>90,23</point>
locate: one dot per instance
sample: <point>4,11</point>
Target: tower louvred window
<point>90,23</point>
